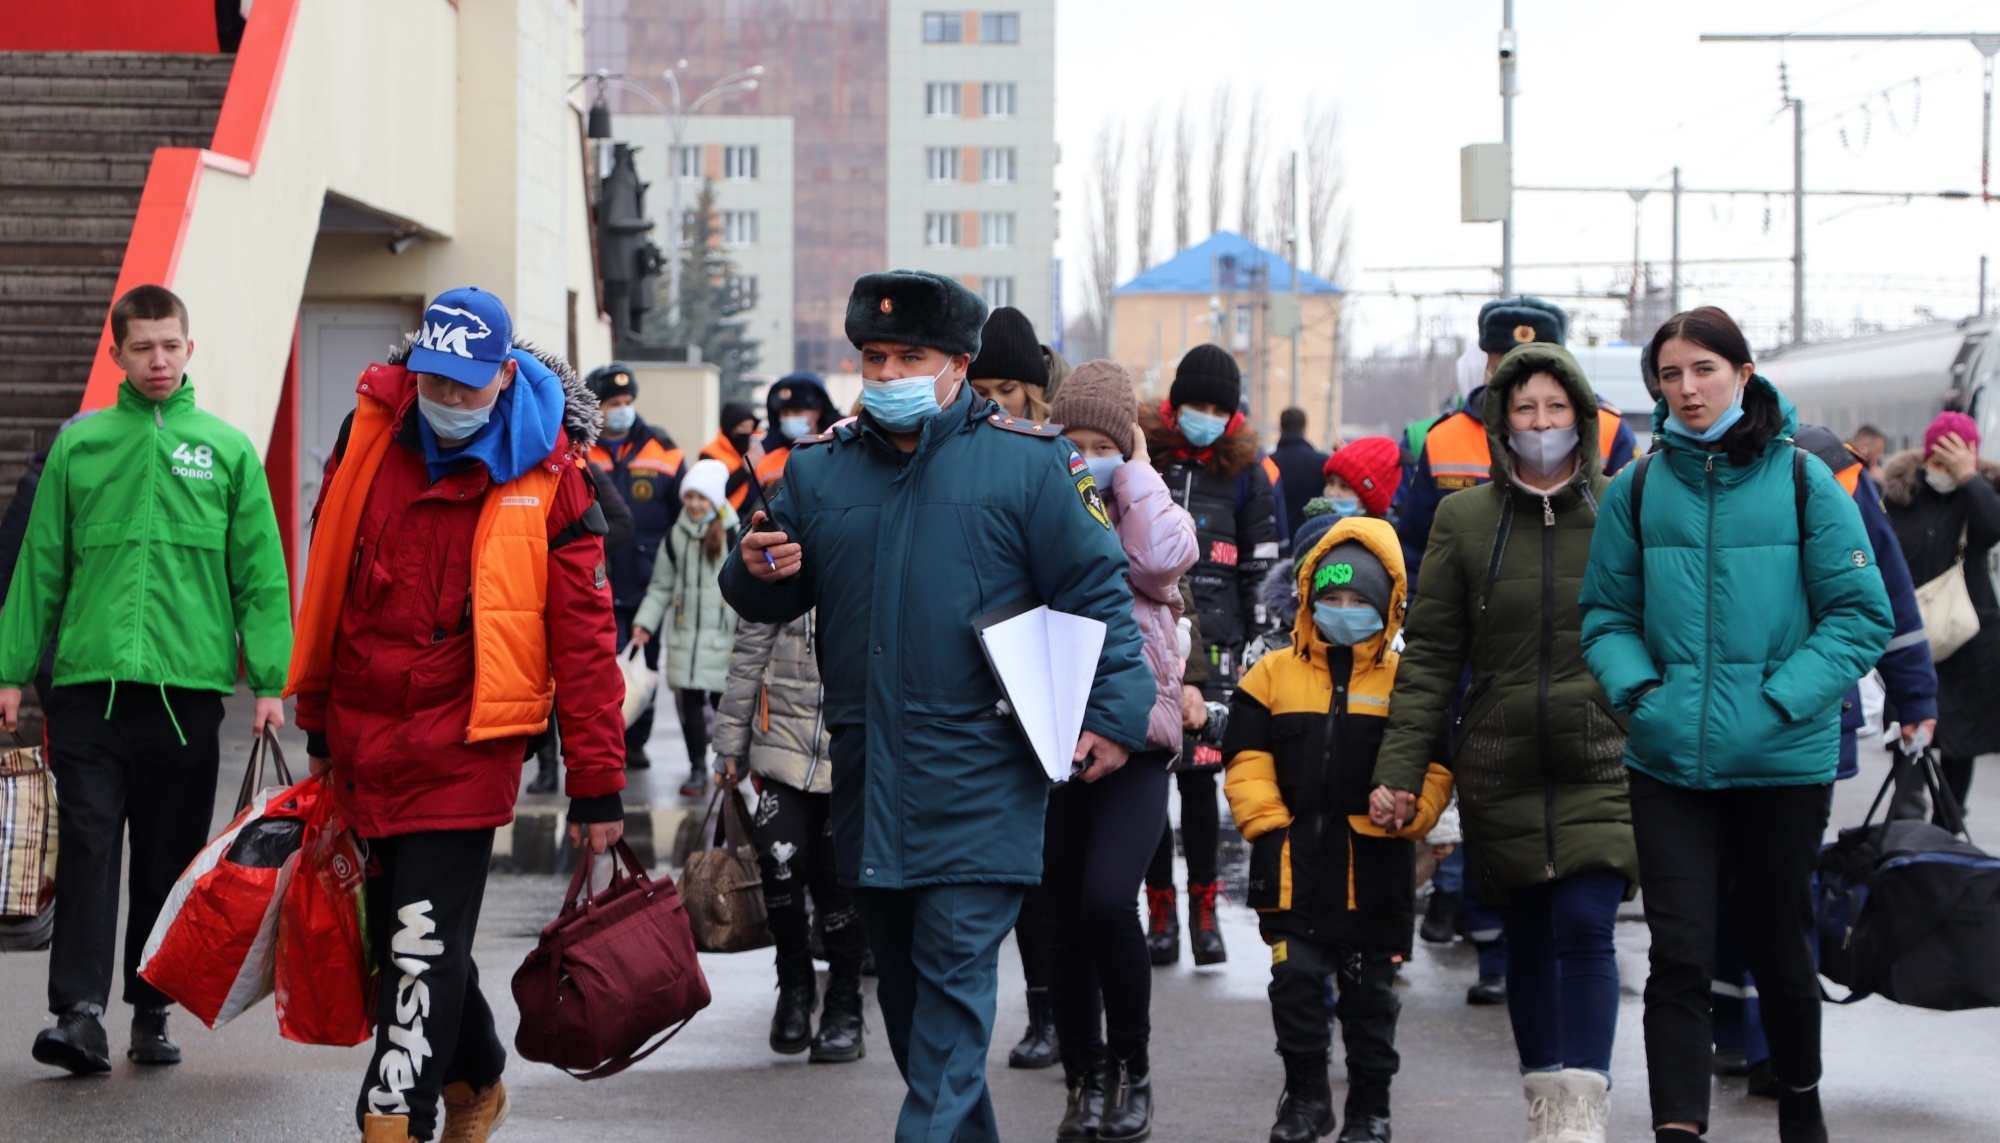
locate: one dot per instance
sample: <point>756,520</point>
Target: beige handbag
<point>1949,620</point>
<point>722,886</point>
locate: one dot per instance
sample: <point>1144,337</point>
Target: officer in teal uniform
<point>903,526</point>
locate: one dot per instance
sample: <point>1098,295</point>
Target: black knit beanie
<point>1008,350</point>
<point>1207,375</point>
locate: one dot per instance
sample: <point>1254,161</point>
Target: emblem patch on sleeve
<point>1093,500</point>
<point>597,576</point>
<point>1076,465</point>
<point>1859,557</point>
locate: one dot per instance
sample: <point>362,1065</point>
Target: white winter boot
<point>1585,1106</point>
<point>1544,1092</point>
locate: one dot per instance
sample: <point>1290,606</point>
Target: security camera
<point>1506,44</point>
<point>405,242</point>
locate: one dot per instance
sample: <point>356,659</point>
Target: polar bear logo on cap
<point>450,336</point>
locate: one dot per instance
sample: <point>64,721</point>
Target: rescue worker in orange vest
<point>456,517</point>
<point>644,465</point>
<point>797,407</point>
<point>1455,453</point>
<point>738,448</point>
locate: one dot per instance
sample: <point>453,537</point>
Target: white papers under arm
<point>1046,663</point>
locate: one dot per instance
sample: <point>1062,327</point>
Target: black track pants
<point>1365,982</point>
<point>1201,832</point>
<point>795,855</point>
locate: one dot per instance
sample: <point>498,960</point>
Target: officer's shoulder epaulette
<point>1604,406</point>
<point>831,434</point>
<point>1025,427</point>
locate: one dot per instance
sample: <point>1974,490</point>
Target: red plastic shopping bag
<point>212,948</point>
<point>324,975</point>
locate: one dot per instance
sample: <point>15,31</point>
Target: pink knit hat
<point>1948,422</point>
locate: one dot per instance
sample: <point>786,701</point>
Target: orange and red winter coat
<point>465,614</point>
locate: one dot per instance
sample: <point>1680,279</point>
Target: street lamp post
<point>745,80</point>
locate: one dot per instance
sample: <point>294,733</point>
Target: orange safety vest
<point>1271,471</point>
<point>773,465</point>
<point>720,449</point>
<point>1849,477</point>
<point>513,684</point>
<point>656,460</point>
<point>1461,456</point>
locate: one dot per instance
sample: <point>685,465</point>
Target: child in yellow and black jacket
<point>1337,894</point>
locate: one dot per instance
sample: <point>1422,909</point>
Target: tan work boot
<point>473,1116</point>
<point>386,1129</point>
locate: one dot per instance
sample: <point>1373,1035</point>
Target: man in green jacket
<point>904,526</point>
<point>152,556</point>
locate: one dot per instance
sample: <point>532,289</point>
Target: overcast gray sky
<point>1613,93</point>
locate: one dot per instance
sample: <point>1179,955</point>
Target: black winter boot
<point>77,1042</point>
<point>1163,927</point>
<point>1083,1073</point>
<point>1799,1118</point>
<point>792,1023</point>
<point>1305,1112</point>
<point>697,784</point>
<point>1367,1110</point>
<point>547,766</point>
<point>1489,990</point>
<point>150,1044</point>
<point>842,1035</point>
<point>1203,937</point>
<point>1440,925</point>
<point>1128,1095</point>
<point>1038,1048</point>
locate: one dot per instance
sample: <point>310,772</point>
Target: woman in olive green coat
<point>1538,754</point>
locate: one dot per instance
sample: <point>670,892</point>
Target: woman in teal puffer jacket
<point>1727,616</point>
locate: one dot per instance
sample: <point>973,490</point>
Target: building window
<point>996,100</point>
<point>941,100</point>
<point>739,228</point>
<point>996,229</point>
<point>997,291</point>
<point>996,164</point>
<point>1242,339</point>
<point>739,163</point>
<point>943,27</point>
<point>684,163</point>
<point>941,164</point>
<point>941,228</point>
<point>740,293</point>
<point>1000,28</point>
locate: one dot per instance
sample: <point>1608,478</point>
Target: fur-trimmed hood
<point>1903,472</point>
<point>581,418</point>
<point>1235,452</point>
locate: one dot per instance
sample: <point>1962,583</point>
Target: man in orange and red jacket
<point>455,594</point>
<point>732,445</point>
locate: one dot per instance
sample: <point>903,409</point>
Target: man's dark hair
<point>1867,433</point>
<point>146,303</point>
<point>1292,420</point>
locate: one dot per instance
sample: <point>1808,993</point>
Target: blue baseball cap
<point>465,336</point>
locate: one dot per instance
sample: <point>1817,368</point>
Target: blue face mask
<point>1345,506</point>
<point>620,419</point>
<point>1101,468</point>
<point>902,405</point>
<point>454,425</point>
<point>1345,626</point>
<point>1201,429</point>
<point>705,518</point>
<point>795,427</point>
<point>1713,433</point>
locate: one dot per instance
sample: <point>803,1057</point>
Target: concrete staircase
<point>77,134</point>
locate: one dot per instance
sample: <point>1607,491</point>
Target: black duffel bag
<point>1910,911</point>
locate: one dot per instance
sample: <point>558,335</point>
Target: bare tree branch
<point>1284,210</point>
<point>1220,115</point>
<point>1146,180</point>
<point>1183,162</point>
<point>1326,178</point>
<point>1107,168</point>
<point>1253,164</point>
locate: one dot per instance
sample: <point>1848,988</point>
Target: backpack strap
<point>1638,498</point>
<point>1799,498</point>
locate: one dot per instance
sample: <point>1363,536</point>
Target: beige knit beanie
<point>1098,395</point>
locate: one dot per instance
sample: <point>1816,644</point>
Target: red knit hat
<point>1951,421</point>
<point>1373,467</point>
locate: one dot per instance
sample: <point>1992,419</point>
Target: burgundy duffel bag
<point>614,977</point>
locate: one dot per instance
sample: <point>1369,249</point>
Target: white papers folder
<point>1046,662</point>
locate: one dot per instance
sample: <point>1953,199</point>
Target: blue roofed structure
<point>1225,263</point>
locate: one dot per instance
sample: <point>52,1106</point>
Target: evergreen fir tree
<point>709,302</point>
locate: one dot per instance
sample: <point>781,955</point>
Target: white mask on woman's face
<point>1944,482</point>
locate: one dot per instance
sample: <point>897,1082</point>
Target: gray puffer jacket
<point>771,706</point>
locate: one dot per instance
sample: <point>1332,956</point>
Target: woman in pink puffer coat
<point>1100,836</point>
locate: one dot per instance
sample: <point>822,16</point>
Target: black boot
<point>1367,1110</point>
<point>77,1042</point>
<point>842,1037</point>
<point>1305,1112</point>
<point>1799,1118</point>
<point>697,784</point>
<point>1441,918</point>
<point>546,767</point>
<point>150,1044</point>
<point>792,1023</point>
<point>1083,1072</point>
<point>1128,1095</point>
<point>1163,927</point>
<point>1203,937</point>
<point>1489,990</point>
<point>1037,1048</point>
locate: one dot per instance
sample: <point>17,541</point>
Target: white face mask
<point>1944,482</point>
<point>1542,452</point>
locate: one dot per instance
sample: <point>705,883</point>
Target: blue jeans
<point>1562,971</point>
<point>1487,926</point>
<point>937,960</point>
